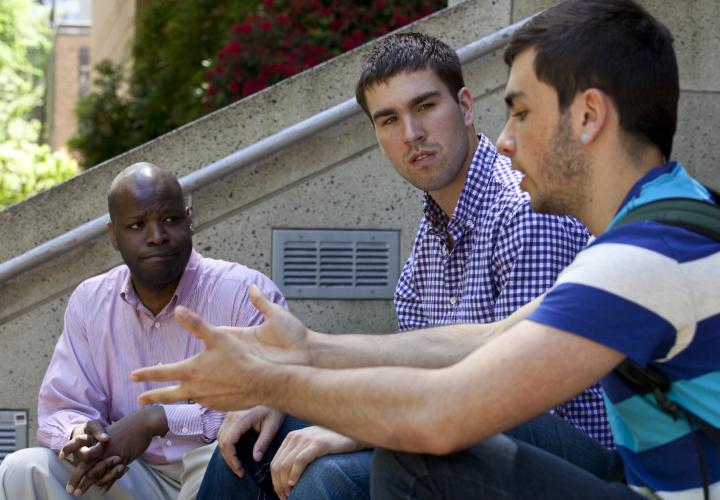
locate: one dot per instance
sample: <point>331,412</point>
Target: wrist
<point>156,421</point>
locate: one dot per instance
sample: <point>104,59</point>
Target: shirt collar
<point>476,182</point>
<point>182,291</point>
<point>667,181</point>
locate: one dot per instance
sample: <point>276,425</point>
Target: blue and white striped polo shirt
<point>651,292</point>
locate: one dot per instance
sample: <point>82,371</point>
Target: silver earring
<point>584,137</point>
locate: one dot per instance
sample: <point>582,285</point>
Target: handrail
<point>216,170</point>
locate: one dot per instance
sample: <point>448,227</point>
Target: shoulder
<point>100,287</point>
<point>225,275</point>
<point>643,263</point>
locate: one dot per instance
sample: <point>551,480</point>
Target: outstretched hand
<point>225,375</point>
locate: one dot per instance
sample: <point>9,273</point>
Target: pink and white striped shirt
<point>108,333</point>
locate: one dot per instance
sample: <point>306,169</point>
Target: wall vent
<point>336,264</point>
<point>13,431</point>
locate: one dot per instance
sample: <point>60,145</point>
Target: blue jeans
<point>544,458</point>
<point>334,477</point>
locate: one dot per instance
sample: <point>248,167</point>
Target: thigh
<point>345,476</point>
<point>221,483</point>
<point>194,464</point>
<point>38,473</point>
<point>556,436</point>
<point>499,468</point>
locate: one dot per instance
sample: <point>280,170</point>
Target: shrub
<point>285,37</point>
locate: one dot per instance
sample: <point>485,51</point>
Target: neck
<point>614,178</point>
<point>153,298</point>
<point>447,198</point>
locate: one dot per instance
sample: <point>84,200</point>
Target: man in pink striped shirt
<point>120,321</point>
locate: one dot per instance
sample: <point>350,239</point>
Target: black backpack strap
<point>695,215</point>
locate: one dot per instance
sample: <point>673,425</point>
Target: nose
<point>506,143</point>
<point>413,130</point>
<point>155,233</point>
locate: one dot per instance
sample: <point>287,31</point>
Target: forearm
<point>383,406</point>
<point>511,380</point>
<point>435,347</point>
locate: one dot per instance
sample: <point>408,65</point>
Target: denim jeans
<point>335,477</point>
<point>544,458</point>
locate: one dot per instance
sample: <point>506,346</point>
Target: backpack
<point>700,217</point>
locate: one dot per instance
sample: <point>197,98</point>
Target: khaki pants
<point>37,473</point>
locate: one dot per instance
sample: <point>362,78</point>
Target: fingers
<point>95,428</point>
<point>232,429</point>
<point>112,475</point>
<point>164,395</point>
<point>268,430</point>
<point>77,475</point>
<point>260,301</point>
<point>160,373</point>
<point>195,325</point>
<point>89,453</point>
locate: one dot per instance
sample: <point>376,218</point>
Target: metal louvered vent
<point>336,264</point>
<point>13,431</point>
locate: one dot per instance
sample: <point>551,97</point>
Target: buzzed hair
<point>132,175</point>
<point>408,52</point>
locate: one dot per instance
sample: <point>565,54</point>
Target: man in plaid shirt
<point>480,253</point>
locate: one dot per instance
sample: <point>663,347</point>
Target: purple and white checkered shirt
<point>504,255</point>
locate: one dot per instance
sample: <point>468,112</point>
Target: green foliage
<point>174,42</point>
<point>26,167</point>
<point>24,48</point>
<point>195,56</point>
<point>105,126</point>
<point>284,37</point>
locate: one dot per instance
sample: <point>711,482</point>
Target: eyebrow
<point>511,96</point>
<point>413,102</point>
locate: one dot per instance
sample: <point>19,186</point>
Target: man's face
<point>422,129</point>
<point>542,143</point>
<point>151,229</point>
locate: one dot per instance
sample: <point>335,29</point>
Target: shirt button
<point>453,300</point>
<point>184,430</point>
<point>157,325</point>
<point>168,442</point>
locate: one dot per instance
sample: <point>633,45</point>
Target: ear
<point>188,213</point>
<point>592,110</point>
<point>112,235</point>
<point>466,105</point>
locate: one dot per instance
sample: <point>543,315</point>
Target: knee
<point>26,461</point>
<point>335,476</point>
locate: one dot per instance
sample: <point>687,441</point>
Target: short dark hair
<point>408,52</point>
<point>614,46</point>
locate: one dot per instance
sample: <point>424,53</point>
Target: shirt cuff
<point>193,420</point>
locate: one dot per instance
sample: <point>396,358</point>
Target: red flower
<point>265,25</point>
<point>378,4</point>
<point>400,20</point>
<point>325,11</point>
<point>234,87</point>
<point>243,28</point>
<point>282,19</point>
<point>268,4</point>
<point>233,47</point>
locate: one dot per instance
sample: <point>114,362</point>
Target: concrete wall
<point>335,179</point>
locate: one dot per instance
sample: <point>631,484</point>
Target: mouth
<point>159,256</point>
<point>421,157</point>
